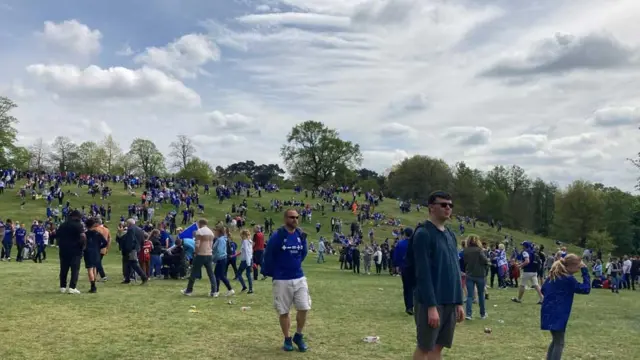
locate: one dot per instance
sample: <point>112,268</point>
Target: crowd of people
<point>441,281</point>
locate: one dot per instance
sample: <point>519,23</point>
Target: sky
<point>549,85</point>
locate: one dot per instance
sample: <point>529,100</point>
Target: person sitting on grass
<point>558,294</point>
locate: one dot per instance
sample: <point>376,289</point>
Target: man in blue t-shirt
<point>529,270</point>
<point>7,240</point>
<point>21,234</point>
<point>38,232</point>
<point>283,257</point>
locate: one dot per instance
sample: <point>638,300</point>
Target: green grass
<point>153,322</point>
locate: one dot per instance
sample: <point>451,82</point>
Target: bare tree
<point>182,151</point>
<point>64,152</point>
<point>112,152</point>
<point>38,151</point>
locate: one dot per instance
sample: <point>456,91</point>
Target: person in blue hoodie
<point>220,261</point>
<point>558,292</point>
<point>282,261</point>
<point>399,261</point>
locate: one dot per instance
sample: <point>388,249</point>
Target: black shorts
<point>428,337</point>
<point>91,260</point>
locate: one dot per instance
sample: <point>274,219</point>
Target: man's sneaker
<point>539,302</point>
<point>215,294</point>
<point>243,289</point>
<point>288,345</point>
<point>104,279</point>
<point>409,312</point>
<point>63,290</point>
<point>185,292</point>
<point>468,318</point>
<point>250,292</point>
<point>73,291</point>
<point>230,293</point>
<point>298,339</point>
<point>516,300</point>
<point>484,317</point>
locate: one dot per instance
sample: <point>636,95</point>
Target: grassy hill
<point>153,322</point>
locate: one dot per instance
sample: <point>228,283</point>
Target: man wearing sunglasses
<point>433,257</point>
<point>282,261</point>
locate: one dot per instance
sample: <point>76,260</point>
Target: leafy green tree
<point>416,177</point>
<point>467,189</point>
<point>313,153</point>
<point>618,213</point>
<point>19,158</point>
<point>600,241</point>
<point>344,176</point>
<point>146,154</point>
<point>8,131</point>
<point>197,169</point>
<point>542,206</point>
<point>579,211</point>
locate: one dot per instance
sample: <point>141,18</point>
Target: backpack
<point>536,259</point>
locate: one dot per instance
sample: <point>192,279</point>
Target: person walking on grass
<point>529,265</point>
<point>433,260</point>
<point>246,256</point>
<point>95,242</point>
<point>258,250</point>
<point>283,257</point>
<point>475,263</point>
<point>558,292</point>
<point>220,260</point>
<point>202,257</point>
<point>71,243</point>
<point>130,245</point>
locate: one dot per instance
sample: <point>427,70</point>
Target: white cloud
<point>220,140</point>
<point>263,8</point>
<point>292,18</point>
<point>396,129</point>
<point>183,57</point>
<point>616,116</point>
<point>126,50</point>
<point>71,35</point>
<point>230,121</point>
<point>113,83</point>
<point>469,135</point>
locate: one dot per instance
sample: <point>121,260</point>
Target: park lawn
<point>154,322</point>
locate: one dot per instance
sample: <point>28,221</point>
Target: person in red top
<point>258,251</point>
<point>144,256</point>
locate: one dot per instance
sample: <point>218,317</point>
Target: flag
<point>188,232</point>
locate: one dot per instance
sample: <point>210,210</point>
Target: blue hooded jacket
<point>284,255</point>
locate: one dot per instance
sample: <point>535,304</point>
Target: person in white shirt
<point>246,260</point>
<point>377,259</point>
<point>626,272</point>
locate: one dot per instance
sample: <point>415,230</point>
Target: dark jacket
<point>437,273</point>
<point>475,261</point>
<point>132,240</point>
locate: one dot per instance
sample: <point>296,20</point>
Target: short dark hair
<point>75,214</point>
<point>90,223</point>
<point>439,194</point>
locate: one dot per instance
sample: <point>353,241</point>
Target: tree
<point>147,155</point>
<point>600,241</point>
<point>38,151</point>
<point>112,153</point>
<point>542,206</point>
<point>467,189</point>
<point>344,176</point>
<point>197,169</point>
<point>182,151</point>
<point>313,153</point>
<point>578,212</point>
<point>8,131</point>
<point>124,164</point>
<point>64,152</point>
<point>416,177</point>
<point>19,158</point>
<point>90,158</point>
<point>618,216</point>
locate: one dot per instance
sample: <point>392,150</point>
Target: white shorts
<point>529,277</point>
<point>291,292</point>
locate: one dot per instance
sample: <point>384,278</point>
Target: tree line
<point>585,214</point>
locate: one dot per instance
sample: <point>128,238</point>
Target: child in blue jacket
<point>558,293</point>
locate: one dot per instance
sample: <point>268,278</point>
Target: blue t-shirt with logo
<point>284,255</point>
<point>21,234</point>
<point>39,232</point>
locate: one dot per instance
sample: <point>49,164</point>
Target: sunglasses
<point>444,205</point>
<point>293,217</point>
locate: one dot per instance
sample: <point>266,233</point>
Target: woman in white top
<point>377,259</point>
<point>246,257</point>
